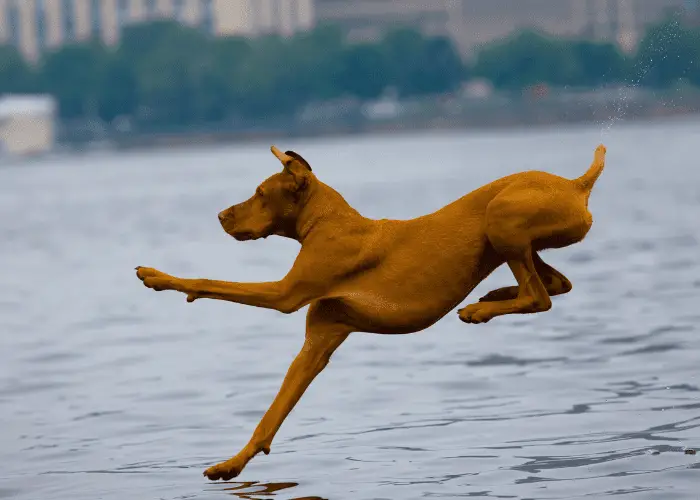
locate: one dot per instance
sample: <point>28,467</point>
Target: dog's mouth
<point>238,234</point>
<point>243,235</point>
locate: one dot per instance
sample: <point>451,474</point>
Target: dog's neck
<point>321,206</point>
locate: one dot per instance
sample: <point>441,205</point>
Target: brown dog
<point>391,276</point>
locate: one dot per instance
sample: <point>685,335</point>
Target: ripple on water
<point>110,391</point>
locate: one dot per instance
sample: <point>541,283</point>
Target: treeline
<point>170,74</point>
<point>668,53</point>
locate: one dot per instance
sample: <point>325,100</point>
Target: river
<point>109,390</point>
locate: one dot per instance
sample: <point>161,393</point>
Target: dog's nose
<point>221,216</point>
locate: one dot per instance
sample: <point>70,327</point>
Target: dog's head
<point>275,206</point>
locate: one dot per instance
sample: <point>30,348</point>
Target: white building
<point>27,124</point>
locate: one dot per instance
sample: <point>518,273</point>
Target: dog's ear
<point>289,157</point>
<point>296,166</point>
<point>296,156</point>
<point>300,175</point>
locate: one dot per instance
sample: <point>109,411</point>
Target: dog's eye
<point>259,192</point>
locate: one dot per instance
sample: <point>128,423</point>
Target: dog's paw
<point>475,313</point>
<point>154,279</point>
<point>225,470</point>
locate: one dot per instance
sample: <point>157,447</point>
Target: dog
<point>391,276</point>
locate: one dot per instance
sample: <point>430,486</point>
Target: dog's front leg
<point>282,295</point>
<point>311,360</point>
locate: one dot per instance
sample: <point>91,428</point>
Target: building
<point>625,21</point>
<point>369,19</point>
<point>35,26</point>
<point>27,124</point>
<point>471,23</point>
<point>477,23</point>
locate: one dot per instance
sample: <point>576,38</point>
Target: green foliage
<point>667,53</point>
<point>15,74</point>
<point>164,73</point>
<point>597,64</point>
<point>412,63</point>
<point>171,68</point>
<point>167,74</point>
<point>363,72</point>
<point>75,75</point>
<point>531,58</point>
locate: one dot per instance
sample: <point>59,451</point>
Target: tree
<point>280,75</point>
<point>118,94</point>
<point>74,75</point>
<point>597,63</point>
<point>443,69</point>
<point>225,82</point>
<point>264,77</point>
<point>167,74</point>
<point>667,53</point>
<point>526,59</point>
<point>15,74</point>
<point>363,73</point>
<point>171,65</point>
<point>417,65</point>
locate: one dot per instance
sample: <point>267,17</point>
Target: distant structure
<point>369,19</point>
<point>35,26</point>
<point>471,23</point>
<point>27,124</point>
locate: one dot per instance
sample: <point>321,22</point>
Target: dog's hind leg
<point>522,218</point>
<point>554,282</point>
<point>323,337</point>
<point>532,295</point>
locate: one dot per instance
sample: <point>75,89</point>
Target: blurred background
<point>125,73</point>
<point>126,126</point>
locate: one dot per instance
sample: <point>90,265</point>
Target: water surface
<point>112,391</point>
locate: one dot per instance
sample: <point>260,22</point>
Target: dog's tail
<point>586,181</point>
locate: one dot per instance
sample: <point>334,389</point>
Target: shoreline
<point>193,138</point>
<point>185,140</point>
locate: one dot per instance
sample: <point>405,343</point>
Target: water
<point>109,390</point>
